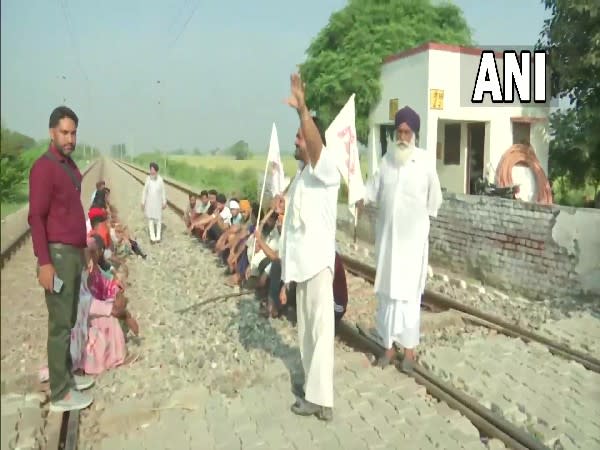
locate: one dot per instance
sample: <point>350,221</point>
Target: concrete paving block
<point>127,415</point>
<point>31,420</point>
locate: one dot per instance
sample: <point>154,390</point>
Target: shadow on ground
<point>256,332</point>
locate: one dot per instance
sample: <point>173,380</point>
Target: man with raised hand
<point>308,256</point>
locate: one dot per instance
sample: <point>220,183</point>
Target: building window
<point>452,144</point>
<point>521,133</point>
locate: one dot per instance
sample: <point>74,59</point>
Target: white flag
<point>276,175</point>
<point>341,139</point>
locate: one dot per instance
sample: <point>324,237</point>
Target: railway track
<point>488,422</point>
<point>69,426</point>
<point>439,301</point>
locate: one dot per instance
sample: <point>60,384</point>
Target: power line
<point>185,25</point>
<point>63,5</point>
<point>174,21</point>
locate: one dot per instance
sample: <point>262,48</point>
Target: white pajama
<point>154,228</point>
<point>316,331</point>
<point>398,321</point>
<point>154,196</point>
<point>407,195</point>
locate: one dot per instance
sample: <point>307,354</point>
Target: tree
<point>13,168</point>
<point>572,37</point>
<point>240,150</point>
<point>347,54</point>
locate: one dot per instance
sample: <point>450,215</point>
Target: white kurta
<point>307,252</point>
<point>406,195</point>
<point>154,196</point>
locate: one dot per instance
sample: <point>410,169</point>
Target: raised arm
<point>314,143</point>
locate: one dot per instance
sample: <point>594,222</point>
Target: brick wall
<point>535,250</point>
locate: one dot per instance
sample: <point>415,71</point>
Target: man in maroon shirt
<point>58,231</point>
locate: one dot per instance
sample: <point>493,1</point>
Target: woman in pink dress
<point>105,348</point>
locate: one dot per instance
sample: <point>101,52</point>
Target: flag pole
<point>262,194</point>
<point>356,212</point>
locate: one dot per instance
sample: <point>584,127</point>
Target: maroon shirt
<point>55,211</point>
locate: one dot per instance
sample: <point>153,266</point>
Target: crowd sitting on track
<point>249,249</point>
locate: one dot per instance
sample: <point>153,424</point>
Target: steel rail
<point>16,243</point>
<point>482,418</point>
<point>436,299</point>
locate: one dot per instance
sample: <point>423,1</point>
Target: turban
<point>245,205</point>
<point>96,212</point>
<point>410,117</point>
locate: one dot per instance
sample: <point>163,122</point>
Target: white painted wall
<point>406,80</point>
<point>410,79</point>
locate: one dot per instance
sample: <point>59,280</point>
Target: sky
<point>182,73</point>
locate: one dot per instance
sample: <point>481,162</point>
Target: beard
<point>64,151</point>
<point>402,151</point>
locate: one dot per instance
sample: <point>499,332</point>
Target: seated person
<point>105,347</point>
<point>99,186</point>
<point>191,211</point>
<point>218,221</point>
<point>245,251</point>
<point>234,233</point>
<point>197,224</point>
<point>203,204</point>
<point>266,264</point>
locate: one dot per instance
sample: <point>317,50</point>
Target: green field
<point>257,162</point>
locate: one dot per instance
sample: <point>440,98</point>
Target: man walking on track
<point>308,257</point>
<point>57,222</point>
<point>407,191</point>
<point>154,200</point>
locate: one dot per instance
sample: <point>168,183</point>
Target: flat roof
<point>474,51</point>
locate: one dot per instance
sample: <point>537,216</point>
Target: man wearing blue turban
<point>407,192</point>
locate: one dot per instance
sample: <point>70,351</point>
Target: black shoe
<point>305,408</point>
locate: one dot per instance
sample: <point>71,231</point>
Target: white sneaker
<point>73,401</point>
<point>83,382</point>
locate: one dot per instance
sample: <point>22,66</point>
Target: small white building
<point>466,140</point>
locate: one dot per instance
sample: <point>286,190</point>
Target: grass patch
<point>7,208</point>
<point>257,162</point>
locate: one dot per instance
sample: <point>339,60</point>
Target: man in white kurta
<point>307,252</point>
<point>407,192</point>
<point>154,200</point>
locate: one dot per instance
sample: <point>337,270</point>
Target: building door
<point>475,154</point>
<point>386,134</point>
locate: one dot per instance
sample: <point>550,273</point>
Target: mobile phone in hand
<point>57,284</point>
